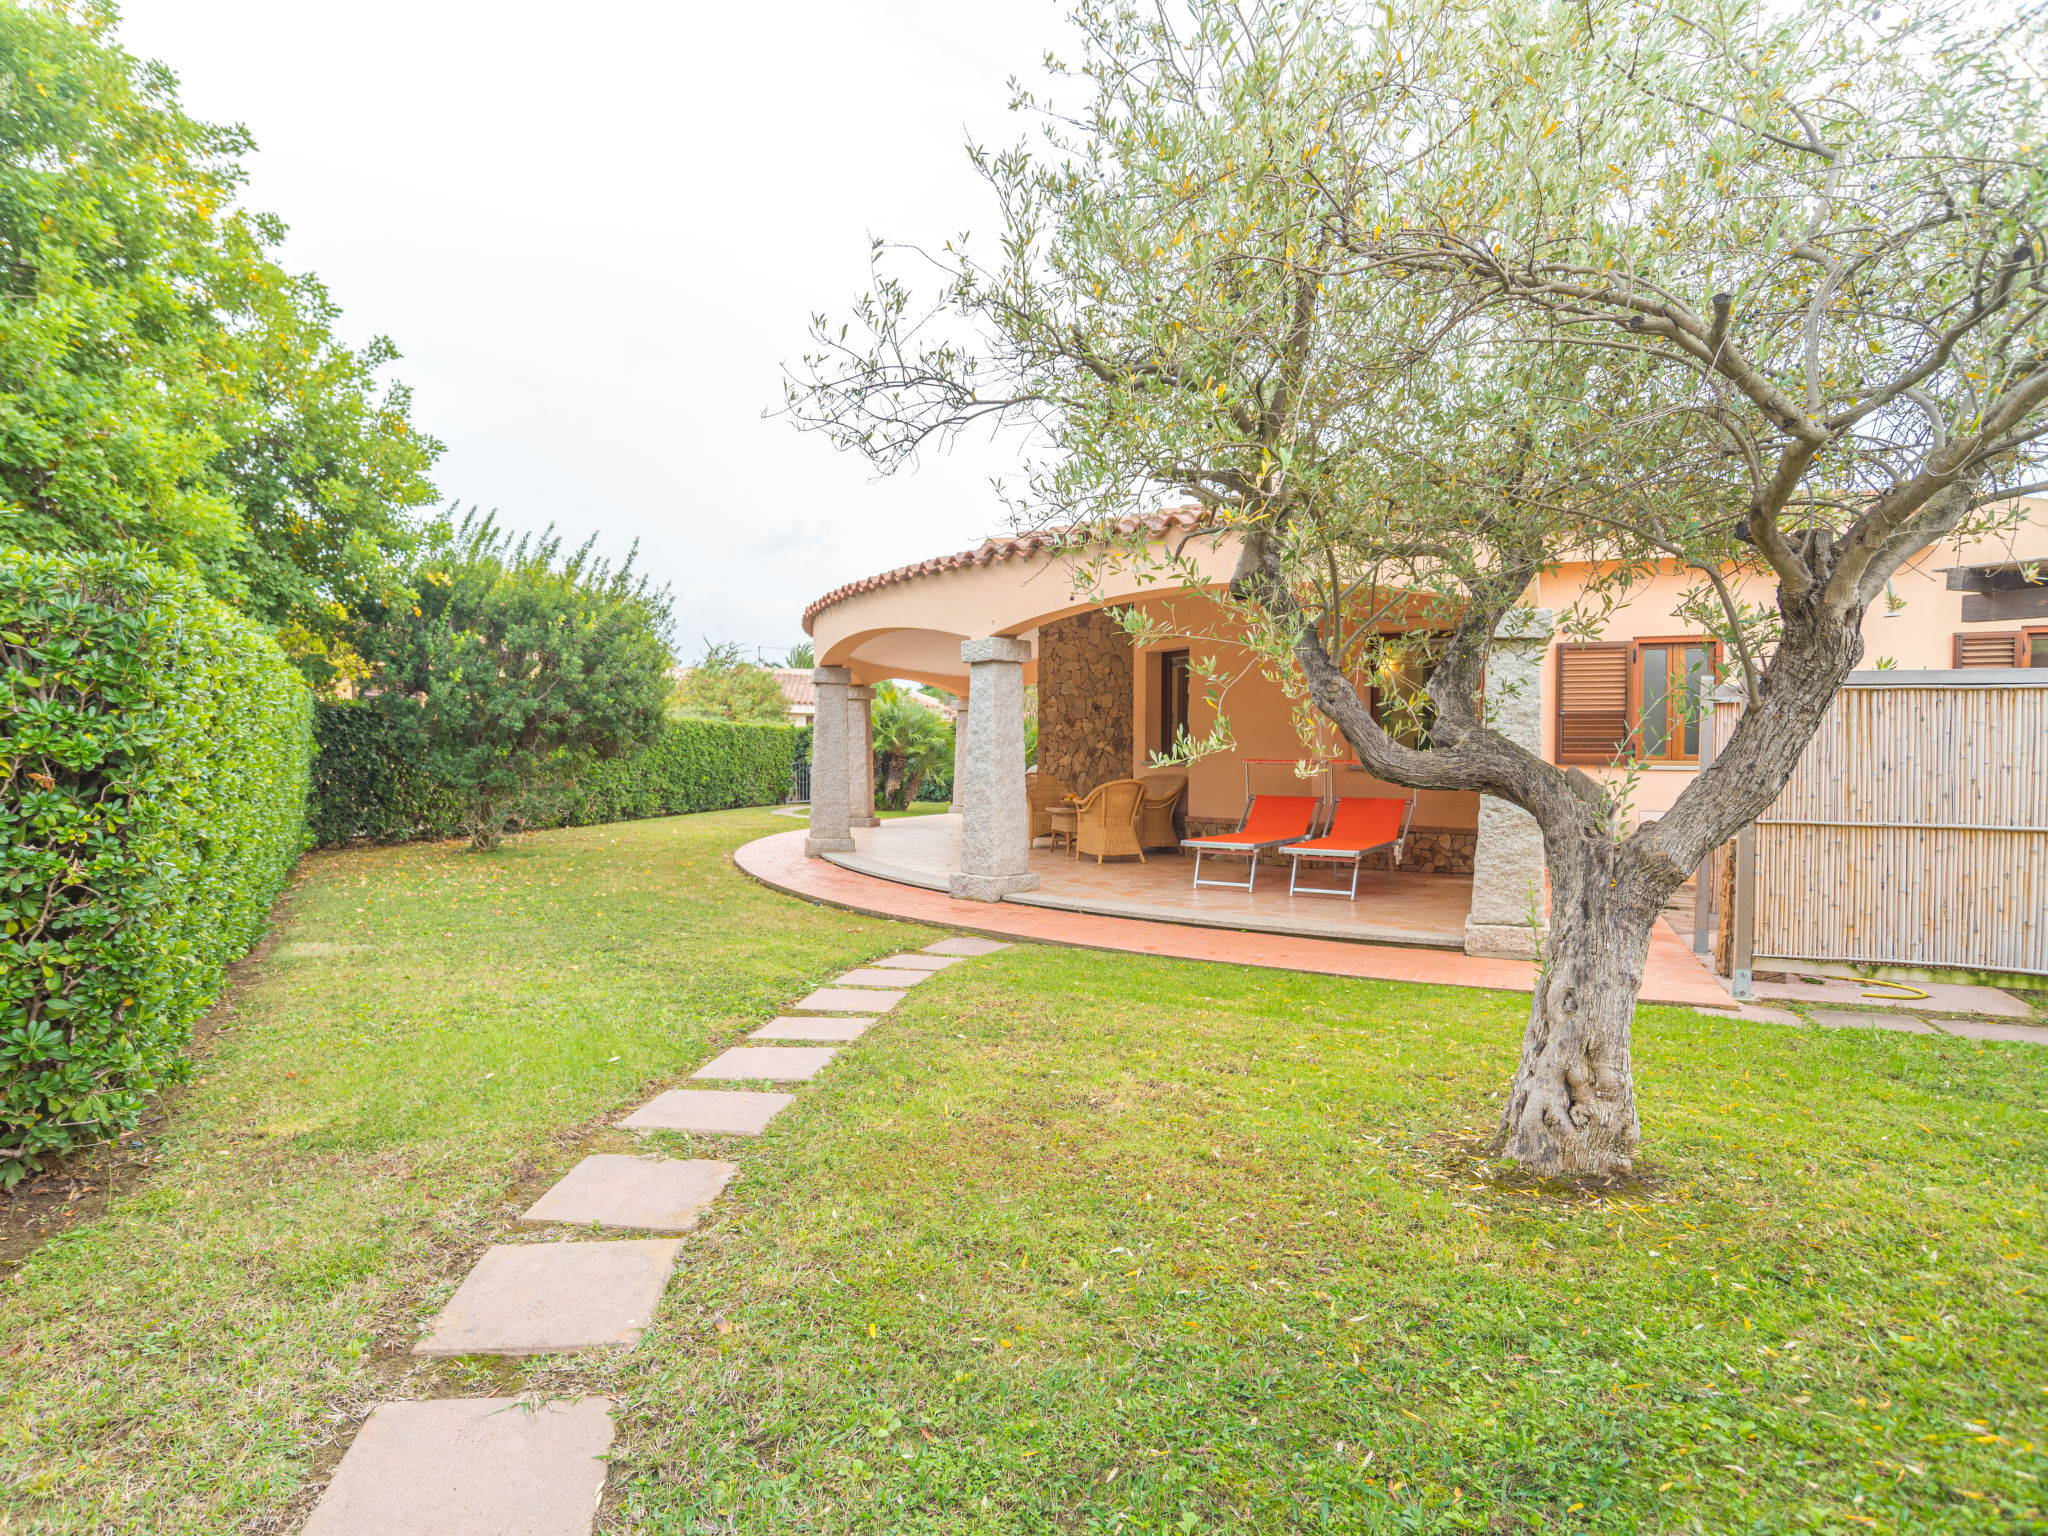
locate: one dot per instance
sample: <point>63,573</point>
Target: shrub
<point>367,785</point>
<point>726,686</point>
<point>155,747</point>
<point>516,668</point>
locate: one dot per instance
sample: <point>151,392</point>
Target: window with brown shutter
<point>1998,649</point>
<point>1593,701</point>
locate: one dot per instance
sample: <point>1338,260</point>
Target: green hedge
<point>155,747</point>
<point>693,765</point>
<point>365,786</point>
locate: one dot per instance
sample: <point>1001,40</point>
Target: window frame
<point>1630,750</point>
<point>1371,691</point>
<point>2023,654</point>
<point>2016,638</point>
<point>1176,697</point>
<point>1674,720</point>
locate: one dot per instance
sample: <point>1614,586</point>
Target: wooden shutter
<point>1592,701</point>
<point>1998,649</point>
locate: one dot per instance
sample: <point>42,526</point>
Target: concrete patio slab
<point>554,1298</point>
<point>772,1063</point>
<point>1674,973</point>
<point>1976,1029</point>
<point>1765,1015</point>
<point>477,1466</point>
<point>964,947</point>
<point>1835,1018</point>
<point>917,962</point>
<point>648,1194</point>
<point>850,1000</point>
<point>1942,996</point>
<point>876,976</point>
<point>839,1030</point>
<point>709,1112</point>
<point>1406,908</point>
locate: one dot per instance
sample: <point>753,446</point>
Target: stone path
<point>470,1464</point>
<point>520,1467</point>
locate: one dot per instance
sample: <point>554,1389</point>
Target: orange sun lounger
<point>1270,821</point>
<point>1360,826</point>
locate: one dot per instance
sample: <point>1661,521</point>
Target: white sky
<point>596,235</point>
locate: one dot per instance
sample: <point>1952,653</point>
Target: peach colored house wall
<point>912,627</point>
<point>1920,636</point>
<point>1262,724</point>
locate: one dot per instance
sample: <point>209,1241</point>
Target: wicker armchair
<point>1107,823</point>
<point>1042,792</point>
<point>1163,795</point>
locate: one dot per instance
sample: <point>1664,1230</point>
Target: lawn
<point>1073,1241</point>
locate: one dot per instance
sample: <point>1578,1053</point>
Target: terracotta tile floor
<point>1427,910</point>
<point>1673,975</point>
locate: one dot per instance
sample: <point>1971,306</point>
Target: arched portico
<point>985,623</point>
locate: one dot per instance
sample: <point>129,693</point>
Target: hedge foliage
<point>154,754</point>
<point>367,785</point>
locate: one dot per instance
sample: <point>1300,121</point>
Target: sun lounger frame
<point>1392,847</point>
<point>1250,851</point>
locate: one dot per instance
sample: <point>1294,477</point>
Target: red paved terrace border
<point>1674,974</point>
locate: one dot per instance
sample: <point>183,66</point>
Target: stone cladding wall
<point>1085,701</point>
<point>1439,851</point>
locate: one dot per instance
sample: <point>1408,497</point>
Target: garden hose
<point>1900,993</point>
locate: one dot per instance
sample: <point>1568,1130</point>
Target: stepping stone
<point>775,1063</point>
<point>916,962</point>
<point>1758,1014</point>
<point>646,1193</point>
<point>1976,1029</point>
<point>552,1298</point>
<point>1835,1019</point>
<point>709,1112</point>
<point>875,976</point>
<point>840,1030</point>
<point>850,1000</point>
<point>964,947</point>
<point>473,1466</point>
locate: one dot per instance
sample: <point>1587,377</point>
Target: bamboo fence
<point>1914,831</point>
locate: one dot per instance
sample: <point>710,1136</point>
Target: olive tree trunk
<point>1571,1109</point>
<point>1572,1106</point>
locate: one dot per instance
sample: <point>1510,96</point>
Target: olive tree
<point>1423,304</point>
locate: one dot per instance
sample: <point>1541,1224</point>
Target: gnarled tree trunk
<point>1572,1107</point>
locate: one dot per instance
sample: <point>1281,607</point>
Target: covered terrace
<point>1036,611</point>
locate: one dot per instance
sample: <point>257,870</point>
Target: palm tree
<point>799,659</point>
<point>910,741</point>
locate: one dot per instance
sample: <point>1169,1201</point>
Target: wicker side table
<point>1063,818</point>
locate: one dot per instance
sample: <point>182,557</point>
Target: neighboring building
<point>800,704</point>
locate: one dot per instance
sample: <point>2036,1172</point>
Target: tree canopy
<point>1424,302</point>
<point>724,685</point>
<point>514,666</point>
<point>913,742</point>
<point>164,381</point>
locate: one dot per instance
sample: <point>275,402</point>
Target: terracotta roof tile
<point>798,692</point>
<point>1020,547</point>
